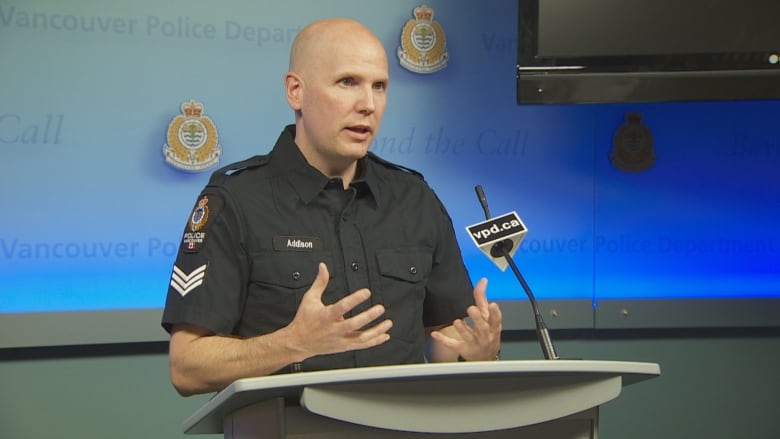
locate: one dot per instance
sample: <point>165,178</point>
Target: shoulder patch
<point>376,159</point>
<point>203,214</point>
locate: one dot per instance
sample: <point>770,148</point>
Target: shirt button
<point>296,275</point>
<point>413,270</point>
<point>355,266</point>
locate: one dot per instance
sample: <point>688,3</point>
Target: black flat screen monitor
<point>601,51</point>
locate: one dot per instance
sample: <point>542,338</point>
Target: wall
<point>710,387</point>
<point>92,87</point>
<point>115,113</point>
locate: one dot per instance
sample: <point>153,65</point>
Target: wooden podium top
<point>415,380</point>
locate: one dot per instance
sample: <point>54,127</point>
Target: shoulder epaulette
<point>237,167</point>
<point>373,157</point>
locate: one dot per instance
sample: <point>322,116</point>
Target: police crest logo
<point>633,145</point>
<point>423,43</point>
<point>206,209</point>
<point>200,214</point>
<point>192,140</point>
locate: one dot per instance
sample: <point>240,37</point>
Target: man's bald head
<point>320,38</point>
<point>337,87</point>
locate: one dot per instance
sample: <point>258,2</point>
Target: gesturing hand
<point>319,329</point>
<point>481,340</point>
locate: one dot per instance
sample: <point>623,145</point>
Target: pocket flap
<point>408,264</point>
<point>288,269</point>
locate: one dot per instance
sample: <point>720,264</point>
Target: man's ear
<point>293,86</point>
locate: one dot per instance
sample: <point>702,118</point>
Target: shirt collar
<point>307,181</point>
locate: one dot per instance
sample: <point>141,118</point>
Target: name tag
<point>297,243</point>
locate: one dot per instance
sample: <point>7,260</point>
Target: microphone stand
<point>502,249</point>
<point>542,333</point>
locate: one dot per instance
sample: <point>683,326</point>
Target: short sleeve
<point>208,280</point>
<point>449,292</point>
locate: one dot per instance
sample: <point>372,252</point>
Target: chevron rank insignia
<point>183,282</point>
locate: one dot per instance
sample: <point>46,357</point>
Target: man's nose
<point>366,103</point>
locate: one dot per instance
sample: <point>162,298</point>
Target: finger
<point>375,335</point>
<point>447,341</point>
<point>487,330</point>
<point>480,297</point>
<point>464,331</point>
<point>320,283</point>
<point>346,304</point>
<point>495,315</point>
<point>362,319</point>
<point>479,320</point>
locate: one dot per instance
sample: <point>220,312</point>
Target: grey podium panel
<point>462,399</point>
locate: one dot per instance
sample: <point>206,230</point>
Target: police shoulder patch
<point>205,211</point>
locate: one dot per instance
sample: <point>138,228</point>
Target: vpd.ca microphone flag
<point>507,230</point>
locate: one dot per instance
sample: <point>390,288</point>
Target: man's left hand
<point>479,341</point>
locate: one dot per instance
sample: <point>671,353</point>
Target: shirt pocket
<point>409,264</point>
<point>404,277</point>
<point>277,283</point>
<point>292,270</point>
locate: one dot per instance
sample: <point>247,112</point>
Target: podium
<point>492,399</point>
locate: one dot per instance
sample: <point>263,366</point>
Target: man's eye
<point>347,81</point>
<point>380,86</point>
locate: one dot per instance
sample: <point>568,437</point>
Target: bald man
<point>321,255</point>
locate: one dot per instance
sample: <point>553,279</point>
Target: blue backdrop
<point>91,214</point>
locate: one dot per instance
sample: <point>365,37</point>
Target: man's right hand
<point>201,361</point>
<point>320,329</point>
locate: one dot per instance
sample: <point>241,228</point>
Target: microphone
<point>499,238</point>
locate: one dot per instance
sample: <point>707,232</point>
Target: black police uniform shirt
<point>253,242</point>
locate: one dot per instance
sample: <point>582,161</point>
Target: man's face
<point>342,102</point>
